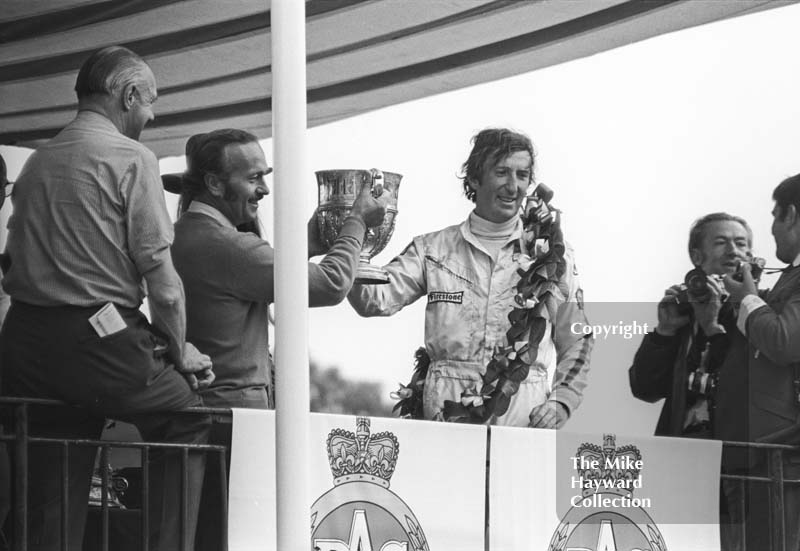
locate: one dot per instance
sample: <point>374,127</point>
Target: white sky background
<point>636,142</point>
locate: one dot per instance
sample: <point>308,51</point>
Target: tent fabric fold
<point>212,59</point>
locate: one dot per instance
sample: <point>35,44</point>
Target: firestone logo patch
<point>604,515</point>
<point>361,513</point>
<point>443,296</point>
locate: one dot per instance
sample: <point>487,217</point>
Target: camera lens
<point>701,383</point>
<point>696,285</point>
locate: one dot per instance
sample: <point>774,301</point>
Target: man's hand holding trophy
<point>369,194</point>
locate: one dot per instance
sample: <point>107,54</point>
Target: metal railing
<point>774,460</point>
<point>20,440</point>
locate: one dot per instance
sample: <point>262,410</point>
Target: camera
<point>756,269</point>
<point>702,383</point>
<point>695,289</point>
<point>695,284</point>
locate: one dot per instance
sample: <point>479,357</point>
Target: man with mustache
<point>692,357</point>
<point>682,340</point>
<point>469,274</point>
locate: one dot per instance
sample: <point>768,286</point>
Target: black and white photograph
<point>399,275</point>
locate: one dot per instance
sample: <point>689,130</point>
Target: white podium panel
<point>383,484</point>
<point>561,491</point>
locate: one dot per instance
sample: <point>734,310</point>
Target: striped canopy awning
<point>213,65</point>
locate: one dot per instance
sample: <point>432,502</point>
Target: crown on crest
<point>362,456</point>
<point>609,469</point>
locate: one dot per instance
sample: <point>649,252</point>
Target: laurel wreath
<point>416,535</point>
<point>656,540</point>
<point>542,264</point>
<point>559,541</point>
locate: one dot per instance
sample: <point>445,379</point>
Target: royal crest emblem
<point>604,514</point>
<point>360,512</point>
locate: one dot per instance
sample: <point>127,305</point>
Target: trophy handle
<point>377,187</point>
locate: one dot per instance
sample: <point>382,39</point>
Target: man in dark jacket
<point>696,348</point>
<point>693,339</point>
<point>771,326</point>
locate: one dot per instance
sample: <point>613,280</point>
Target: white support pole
<point>291,272</point>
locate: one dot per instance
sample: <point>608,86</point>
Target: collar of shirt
<point>468,234</point>
<point>86,117</point>
<point>205,209</point>
<point>483,228</point>
<point>796,261</point>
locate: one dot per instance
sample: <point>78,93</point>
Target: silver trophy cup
<point>338,190</point>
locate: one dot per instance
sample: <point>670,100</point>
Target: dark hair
<point>109,70</point>
<point>697,231</point>
<point>787,193</point>
<point>205,154</point>
<point>492,145</point>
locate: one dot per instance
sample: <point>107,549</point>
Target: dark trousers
<point>55,353</point>
<point>750,507</point>
<point>5,493</point>
<point>212,524</point>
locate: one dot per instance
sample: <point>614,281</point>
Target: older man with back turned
<point>89,229</point>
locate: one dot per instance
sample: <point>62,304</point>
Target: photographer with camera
<point>690,358</point>
<point>680,361</point>
<point>770,375</point>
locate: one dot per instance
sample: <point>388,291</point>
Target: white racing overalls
<point>469,298</point>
